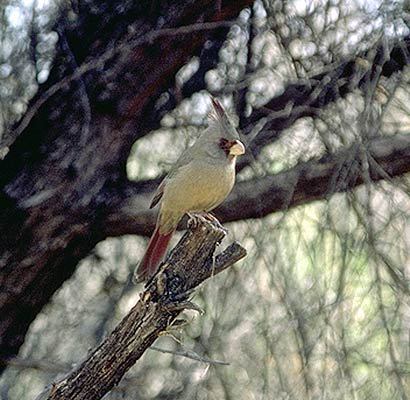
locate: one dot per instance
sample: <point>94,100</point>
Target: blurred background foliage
<point>320,307</point>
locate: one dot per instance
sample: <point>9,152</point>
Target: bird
<point>199,181</point>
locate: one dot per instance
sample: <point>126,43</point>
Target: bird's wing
<point>158,194</point>
<point>187,156</point>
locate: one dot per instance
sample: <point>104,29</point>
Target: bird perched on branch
<point>199,181</point>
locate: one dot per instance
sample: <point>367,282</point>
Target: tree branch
<point>165,297</point>
<point>386,157</point>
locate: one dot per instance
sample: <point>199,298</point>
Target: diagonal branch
<point>189,264</point>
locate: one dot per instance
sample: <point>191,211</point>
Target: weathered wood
<point>165,296</point>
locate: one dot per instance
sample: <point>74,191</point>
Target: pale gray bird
<point>199,181</point>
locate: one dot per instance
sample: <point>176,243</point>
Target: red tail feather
<point>156,250</point>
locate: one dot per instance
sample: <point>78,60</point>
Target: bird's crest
<point>218,108</point>
<point>220,117</point>
<point>217,112</point>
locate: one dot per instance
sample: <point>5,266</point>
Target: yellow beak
<point>237,148</point>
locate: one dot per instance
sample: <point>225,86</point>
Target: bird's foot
<point>210,217</point>
<point>196,217</point>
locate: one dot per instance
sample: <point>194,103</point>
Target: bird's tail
<point>156,249</point>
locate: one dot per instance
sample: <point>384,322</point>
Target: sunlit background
<point>319,309</point>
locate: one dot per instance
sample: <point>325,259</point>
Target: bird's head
<point>224,131</point>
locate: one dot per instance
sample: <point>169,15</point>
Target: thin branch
<point>190,354</point>
<point>41,364</point>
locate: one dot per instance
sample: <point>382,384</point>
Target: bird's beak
<point>237,148</point>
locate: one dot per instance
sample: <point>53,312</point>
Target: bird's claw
<point>184,305</point>
<point>196,217</point>
<point>194,220</point>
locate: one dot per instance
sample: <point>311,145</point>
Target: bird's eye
<point>224,144</point>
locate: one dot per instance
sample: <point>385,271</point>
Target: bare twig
<point>190,354</point>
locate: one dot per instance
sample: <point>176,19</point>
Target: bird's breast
<point>198,187</point>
